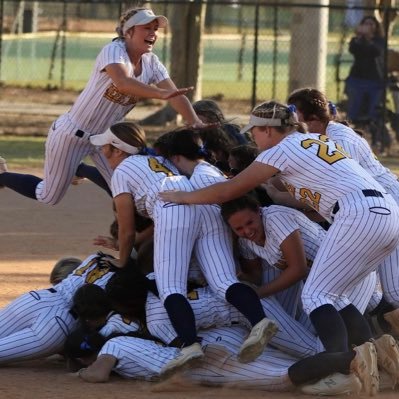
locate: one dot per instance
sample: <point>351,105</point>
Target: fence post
<point>255,57</point>
<point>63,43</point>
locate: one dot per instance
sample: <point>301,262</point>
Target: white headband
<point>144,17</point>
<point>109,138</point>
<point>257,121</point>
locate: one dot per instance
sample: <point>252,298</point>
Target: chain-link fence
<point>248,45</point>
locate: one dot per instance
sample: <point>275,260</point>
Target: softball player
<point>365,228</point>
<point>285,240</point>
<point>37,323</point>
<point>213,247</point>
<point>272,371</point>
<point>124,72</point>
<point>135,185</point>
<point>314,109</point>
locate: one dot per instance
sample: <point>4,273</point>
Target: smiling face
<point>247,223</point>
<point>141,38</point>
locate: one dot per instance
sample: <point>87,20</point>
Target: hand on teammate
<point>106,242</point>
<point>177,197</point>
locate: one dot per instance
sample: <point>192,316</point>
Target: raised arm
<point>129,86</point>
<point>249,178</point>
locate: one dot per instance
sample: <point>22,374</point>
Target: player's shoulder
<point>274,211</point>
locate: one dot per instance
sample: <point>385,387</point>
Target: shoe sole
<point>353,387</point>
<point>188,363</point>
<point>251,352</point>
<point>367,370</point>
<point>388,356</point>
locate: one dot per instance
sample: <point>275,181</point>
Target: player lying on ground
<point>131,357</point>
<point>365,226</point>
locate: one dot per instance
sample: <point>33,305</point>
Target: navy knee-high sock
<point>319,366</point>
<point>182,318</point>
<point>245,299</point>
<point>22,184</point>
<point>330,328</point>
<point>356,324</point>
<point>93,174</point>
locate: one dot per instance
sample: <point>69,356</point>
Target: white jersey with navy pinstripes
<point>101,104</point>
<point>279,222</point>
<point>316,171</point>
<point>88,272</point>
<point>205,174</point>
<point>144,177</point>
<point>359,149</point>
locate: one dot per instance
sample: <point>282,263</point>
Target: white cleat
<point>184,358</point>
<point>258,338</point>
<point>364,365</point>
<point>334,384</point>
<point>388,356</point>
<point>3,167</point>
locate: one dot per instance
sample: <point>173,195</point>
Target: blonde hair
<point>125,17</point>
<point>63,268</point>
<point>130,133</point>
<point>276,110</point>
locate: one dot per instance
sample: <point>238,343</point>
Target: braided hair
<point>125,17</point>
<point>286,114</point>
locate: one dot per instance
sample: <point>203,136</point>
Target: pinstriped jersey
<point>360,151</point>
<point>279,222</point>
<point>90,271</point>
<point>101,104</point>
<point>116,323</point>
<point>205,174</point>
<point>316,170</point>
<point>144,177</point>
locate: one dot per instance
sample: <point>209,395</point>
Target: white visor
<point>109,138</point>
<point>257,121</point>
<point>144,17</point>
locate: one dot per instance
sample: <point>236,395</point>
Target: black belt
<point>366,193</point>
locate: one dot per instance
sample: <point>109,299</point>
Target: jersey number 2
<point>323,150</point>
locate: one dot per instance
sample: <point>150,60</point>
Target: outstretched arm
<point>218,193</point>
<point>182,105</point>
<point>132,87</point>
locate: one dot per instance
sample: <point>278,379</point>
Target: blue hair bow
<point>333,108</point>
<point>291,108</point>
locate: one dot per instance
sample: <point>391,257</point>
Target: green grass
<point>28,152</point>
<point>27,61</point>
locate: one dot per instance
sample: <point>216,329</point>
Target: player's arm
<point>181,104</point>
<point>132,87</point>
<point>248,179</point>
<point>124,205</point>
<point>294,254</point>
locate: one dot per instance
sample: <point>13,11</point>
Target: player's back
<point>358,148</point>
<point>93,270</point>
<point>144,177</point>
<point>317,171</point>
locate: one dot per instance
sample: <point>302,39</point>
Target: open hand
<point>106,242</point>
<point>167,94</point>
<point>177,197</point>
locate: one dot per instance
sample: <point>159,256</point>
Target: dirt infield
<point>32,237</point>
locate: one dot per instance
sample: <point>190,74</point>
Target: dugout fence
<point>247,44</point>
